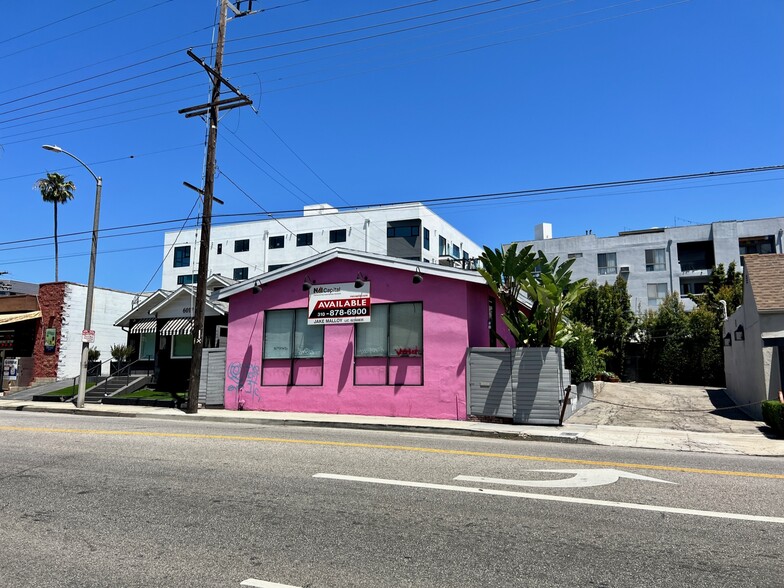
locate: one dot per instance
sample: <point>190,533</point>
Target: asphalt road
<point>89,501</point>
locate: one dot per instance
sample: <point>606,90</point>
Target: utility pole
<point>212,108</point>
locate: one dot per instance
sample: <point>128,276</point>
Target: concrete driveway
<point>683,408</point>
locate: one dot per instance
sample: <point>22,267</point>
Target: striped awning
<point>145,326</point>
<point>19,316</point>
<point>181,326</point>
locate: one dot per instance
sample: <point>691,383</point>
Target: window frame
<point>292,356</point>
<point>390,354</point>
<point>303,237</point>
<point>655,302</point>
<point>652,255</point>
<point>607,270</point>
<point>242,270</point>
<point>179,259</point>
<point>276,242</point>
<point>173,345</point>
<point>142,338</point>
<point>426,238</point>
<point>335,233</point>
<point>185,279</point>
<point>241,245</point>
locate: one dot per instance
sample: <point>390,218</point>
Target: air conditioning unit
<point>624,269</point>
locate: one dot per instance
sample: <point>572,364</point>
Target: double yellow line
<point>247,438</point>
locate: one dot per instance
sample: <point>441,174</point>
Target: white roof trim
<point>426,269</point>
<point>190,291</point>
<point>146,302</point>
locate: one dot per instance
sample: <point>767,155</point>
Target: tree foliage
<point>57,189</point>
<point>608,311</point>
<point>546,283</point>
<point>581,355</point>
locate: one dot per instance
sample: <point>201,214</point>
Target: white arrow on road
<point>580,479</point>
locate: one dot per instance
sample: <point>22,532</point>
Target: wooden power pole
<point>211,109</point>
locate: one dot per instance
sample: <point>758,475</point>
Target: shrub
<point>93,354</point>
<point>581,355</point>
<point>121,352</point>
<point>773,415</point>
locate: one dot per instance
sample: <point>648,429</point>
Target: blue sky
<point>527,95</point>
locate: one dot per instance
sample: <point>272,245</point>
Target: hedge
<point>773,415</point>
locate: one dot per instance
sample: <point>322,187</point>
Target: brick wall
<point>50,302</point>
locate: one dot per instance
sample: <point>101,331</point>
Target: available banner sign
<point>335,304</point>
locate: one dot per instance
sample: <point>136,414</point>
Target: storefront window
<point>147,346</point>
<point>287,335</point>
<point>182,346</point>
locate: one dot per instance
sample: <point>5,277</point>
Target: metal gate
<point>213,377</point>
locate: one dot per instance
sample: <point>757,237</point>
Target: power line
<point>449,200</point>
<point>59,38</point>
<point>55,22</point>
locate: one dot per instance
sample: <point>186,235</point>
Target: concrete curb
<point>552,437</point>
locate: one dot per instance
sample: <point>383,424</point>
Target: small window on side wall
<point>277,242</point>
<point>241,245</point>
<point>240,273</point>
<point>304,239</point>
<point>337,236</point>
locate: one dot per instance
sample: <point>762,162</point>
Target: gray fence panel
<point>490,382</point>
<point>537,378</point>
<point>213,376</point>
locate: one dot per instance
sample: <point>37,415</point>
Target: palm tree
<point>55,188</point>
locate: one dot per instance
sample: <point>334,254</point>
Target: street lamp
<point>91,277</point>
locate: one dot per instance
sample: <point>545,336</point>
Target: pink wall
<point>454,318</point>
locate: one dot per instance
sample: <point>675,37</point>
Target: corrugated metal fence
<point>213,377</point>
<point>526,384</point>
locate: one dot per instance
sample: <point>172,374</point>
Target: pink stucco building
<point>408,359</point>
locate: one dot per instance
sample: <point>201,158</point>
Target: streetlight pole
<point>88,312</point>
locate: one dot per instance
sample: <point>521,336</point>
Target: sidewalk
<point>612,436</point>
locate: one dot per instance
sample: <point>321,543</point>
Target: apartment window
<point>182,256</point>
<point>220,248</point>
<point>304,239</point>
<point>274,266</point>
<point>455,251</point>
<point>182,346</point>
<point>607,264</point>
<point>403,231</point>
<point>276,242</point>
<point>389,350</point>
<point>574,256</point>
<point>426,238</point>
<point>441,246</point>
<point>656,293</point>
<point>186,279</point>
<point>240,273</point>
<point>749,245</point>
<point>241,245</point>
<point>337,236</point>
<point>654,260</point>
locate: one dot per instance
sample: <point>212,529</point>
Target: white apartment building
<point>658,261</point>
<point>242,250</point>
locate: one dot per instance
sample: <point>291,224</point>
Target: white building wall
<point>366,230</point>
<point>107,306</point>
<point>630,248</point>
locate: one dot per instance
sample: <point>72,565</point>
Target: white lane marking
<point>263,584</point>
<point>551,498</point>
<point>581,479</point>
